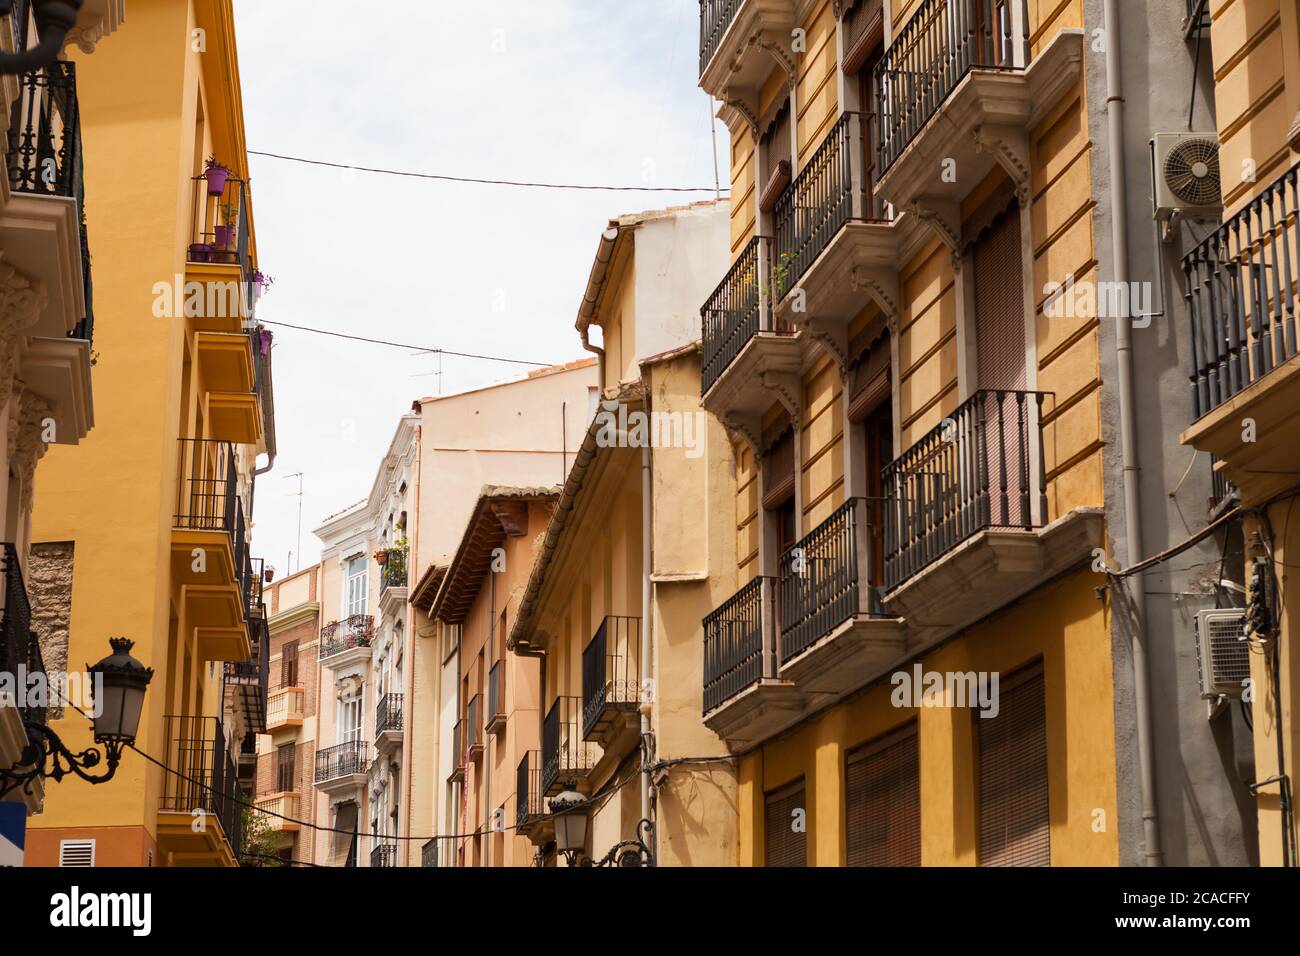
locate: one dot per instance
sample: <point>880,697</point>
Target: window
<point>289,665</point>
<point>785,827</point>
<point>882,807</point>
<point>350,720</point>
<point>356,595</point>
<point>1014,820</point>
<point>286,778</point>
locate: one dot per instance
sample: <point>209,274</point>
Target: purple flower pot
<point>216,176</point>
<point>225,235</point>
<point>200,252</point>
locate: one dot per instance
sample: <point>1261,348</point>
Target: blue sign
<point>13,833</point>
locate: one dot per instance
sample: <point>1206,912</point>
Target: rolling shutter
<point>883,801</point>
<point>1014,819</point>
<point>784,845</point>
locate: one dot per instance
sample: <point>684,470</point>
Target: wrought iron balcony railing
<point>1241,296</point>
<point>942,42</point>
<point>207,488</point>
<point>826,578</point>
<point>358,630</point>
<point>528,789</point>
<point>611,669</point>
<point>384,854</point>
<point>458,755</point>
<point>564,752</point>
<point>833,189</point>
<point>715,18</point>
<point>205,776</point>
<point>473,723</point>
<point>738,309</point>
<point>342,760</point>
<point>970,473</point>
<point>388,713</point>
<point>733,642</point>
<point>496,693</point>
<point>393,574</point>
<point>19,645</point>
<point>246,684</point>
<point>429,854</point>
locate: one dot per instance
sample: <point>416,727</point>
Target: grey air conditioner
<point>1222,652</point>
<point>1185,176</point>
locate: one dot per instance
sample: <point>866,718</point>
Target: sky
<point>565,91</point>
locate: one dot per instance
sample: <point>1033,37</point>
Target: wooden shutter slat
<point>1014,813</point>
<point>883,801</point>
<point>784,846</point>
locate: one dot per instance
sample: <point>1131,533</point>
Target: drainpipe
<point>647,553</point>
<point>485,845</point>
<point>1128,433</point>
<point>600,355</point>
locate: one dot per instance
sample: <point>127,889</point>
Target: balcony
<point>1241,314</point>
<point>429,854</point>
<point>219,258</point>
<point>209,549</point>
<point>735,37</point>
<point>342,767</point>
<point>611,684</point>
<point>244,687</point>
<point>965,516</point>
<point>347,641</point>
<point>496,712</point>
<point>285,805</point>
<point>384,854</point>
<point>458,759</point>
<point>566,756</point>
<point>747,352</point>
<point>473,728</point>
<point>393,574</point>
<point>530,812</point>
<point>285,709</point>
<point>43,234</point>
<point>835,243</point>
<point>388,723</point>
<point>205,779</point>
<point>19,649</point>
<point>967,61</point>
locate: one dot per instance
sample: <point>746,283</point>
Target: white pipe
<point>1128,434</point>
<point>647,629</point>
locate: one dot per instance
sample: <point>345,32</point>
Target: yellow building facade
<point>158,508</point>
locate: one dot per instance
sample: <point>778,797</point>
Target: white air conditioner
<point>1222,652</point>
<point>1185,176</point>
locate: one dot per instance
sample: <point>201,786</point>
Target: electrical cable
<point>420,349</point>
<point>483,182</point>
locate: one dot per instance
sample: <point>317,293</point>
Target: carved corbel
<point>834,338</point>
<point>943,217</point>
<point>735,110</point>
<point>881,285</point>
<point>27,441</point>
<point>788,388</point>
<point>22,301</point>
<point>777,50</point>
<point>1010,147</point>
<point>747,428</point>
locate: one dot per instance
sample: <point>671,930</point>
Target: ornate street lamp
<point>123,681</point>
<point>54,18</point>
<point>570,810</point>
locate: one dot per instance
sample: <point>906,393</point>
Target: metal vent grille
<point>1222,652</point>
<point>1191,172</point>
<point>76,853</point>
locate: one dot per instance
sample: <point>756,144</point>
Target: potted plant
<point>225,233</point>
<point>268,573</point>
<point>200,251</point>
<point>216,175</point>
<point>261,282</point>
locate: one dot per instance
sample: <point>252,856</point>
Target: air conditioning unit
<point>1185,176</point>
<point>1222,652</point>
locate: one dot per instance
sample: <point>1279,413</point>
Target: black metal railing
<point>739,308</point>
<point>207,487</point>
<point>528,789</point>
<point>19,645</point>
<point>939,45</point>
<point>458,742</point>
<point>970,473</point>
<point>715,18</point>
<point>831,190</point>
<point>1241,296</point>
<point>18,19</point>
<point>496,693</point>
<point>341,760</point>
<point>473,723</point>
<point>564,752</point>
<point>611,669</point>
<point>358,630</point>
<point>388,713</point>
<point>248,682</point>
<point>429,854</point>
<point>204,775</point>
<point>393,574</point>
<point>734,657</point>
<point>384,854</point>
<point>826,578</point>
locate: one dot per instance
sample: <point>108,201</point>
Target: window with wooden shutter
<point>286,778</point>
<point>1014,818</point>
<point>289,665</point>
<point>882,806</point>
<point>778,147</point>
<point>778,464</point>
<point>785,827</point>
